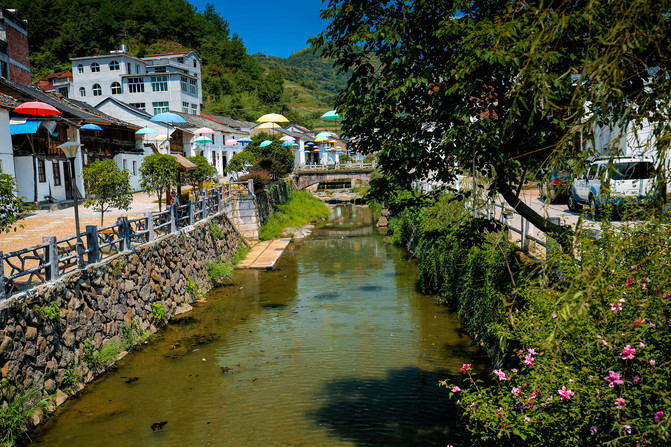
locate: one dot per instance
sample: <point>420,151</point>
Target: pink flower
<point>533,396</point>
<point>471,405</point>
<point>638,321</point>
<point>465,368</point>
<point>636,379</point>
<point>615,307</point>
<point>532,351</point>
<point>620,403</point>
<point>652,362</point>
<point>627,428</point>
<point>500,374</point>
<point>549,400</point>
<point>668,296</point>
<point>628,353</point>
<point>658,416</point>
<point>592,430</point>
<point>529,361</point>
<point>644,286</point>
<point>526,419</point>
<point>641,345</point>
<point>554,315</point>
<point>629,282</point>
<point>456,389</point>
<point>565,394</point>
<point>652,325</point>
<point>614,379</point>
<point>604,343</point>
<point>515,391</point>
<point>499,412</point>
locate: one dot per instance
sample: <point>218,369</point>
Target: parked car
<point>555,186</point>
<point>616,181</point>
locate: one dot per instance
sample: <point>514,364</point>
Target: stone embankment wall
<point>96,303</point>
<point>267,199</point>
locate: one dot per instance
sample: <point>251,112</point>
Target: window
<point>159,70</point>
<point>95,68</point>
<point>160,107</point>
<point>128,65</point>
<point>80,68</point>
<point>159,84</point>
<point>185,107</point>
<point>97,90</point>
<point>41,173</point>
<point>57,172</point>
<point>193,84</point>
<point>134,167</point>
<point>125,164</point>
<point>62,91</point>
<point>137,68</point>
<point>195,63</point>
<point>114,65</point>
<point>116,88</point>
<point>82,91</point>
<point>139,105</point>
<point>135,85</point>
<point>194,109</point>
<point>184,82</point>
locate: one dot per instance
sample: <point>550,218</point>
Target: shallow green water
<point>333,348</point>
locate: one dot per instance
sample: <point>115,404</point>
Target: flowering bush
<point>590,350</point>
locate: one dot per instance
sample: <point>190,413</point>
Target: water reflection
<point>333,348</point>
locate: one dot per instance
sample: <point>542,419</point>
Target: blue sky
<point>275,28</point>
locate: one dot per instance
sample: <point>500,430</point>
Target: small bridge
<point>307,175</point>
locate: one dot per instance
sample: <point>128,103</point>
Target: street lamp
<point>70,149</point>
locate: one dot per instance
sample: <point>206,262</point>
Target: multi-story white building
<point>156,83</point>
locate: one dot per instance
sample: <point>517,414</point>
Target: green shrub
<point>589,349</point>
<point>241,253</point>
<point>72,374</point>
<point>51,312</point>
<point>215,231</point>
<point>158,312</point>
<point>219,272</point>
<point>15,417</point>
<point>132,334</point>
<point>300,209</point>
<point>101,359</point>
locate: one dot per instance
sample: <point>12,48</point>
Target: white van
<point>616,181</point>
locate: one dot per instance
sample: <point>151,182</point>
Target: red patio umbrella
<point>36,108</point>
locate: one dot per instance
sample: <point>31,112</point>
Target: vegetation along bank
<point>581,341</point>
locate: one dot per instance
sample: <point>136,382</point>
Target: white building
<point>156,83</point>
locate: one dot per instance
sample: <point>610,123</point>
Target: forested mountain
<point>234,83</point>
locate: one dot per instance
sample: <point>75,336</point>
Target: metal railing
<point>336,166</point>
<point>26,268</point>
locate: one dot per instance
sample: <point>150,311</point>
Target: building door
<point>68,180</point>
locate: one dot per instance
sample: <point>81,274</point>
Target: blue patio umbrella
<point>244,140</point>
<point>324,134</point>
<point>168,118</point>
<point>90,126</point>
<point>287,143</point>
<point>145,130</point>
<point>265,143</point>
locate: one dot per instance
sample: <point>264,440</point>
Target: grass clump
<point>100,359</point>
<point>158,312</point>
<point>215,231</point>
<point>300,209</point>
<point>132,334</point>
<point>16,415</point>
<point>50,312</point>
<point>219,272</point>
<point>241,253</point>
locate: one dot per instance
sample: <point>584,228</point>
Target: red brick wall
<point>17,50</point>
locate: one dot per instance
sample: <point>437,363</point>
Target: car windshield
<point>632,171</point>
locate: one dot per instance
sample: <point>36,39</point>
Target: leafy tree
<point>108,186</point>
<point>239,161</point>
<point>11,206</point>
<point>282,155</point>
<point>499,83</point>
<point>158,172</point>
<point>202,174</point>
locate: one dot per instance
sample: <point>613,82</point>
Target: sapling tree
<point>203,173</point>
<point>11,205</point>
<point>107,187</point>
<point>158,172</point>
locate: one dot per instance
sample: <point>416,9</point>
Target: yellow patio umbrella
<point>269,126</point>
<point>272,118</point>
<point>322,140</point>
<point>161,136</point>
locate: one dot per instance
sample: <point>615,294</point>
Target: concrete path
<point>264,255</point>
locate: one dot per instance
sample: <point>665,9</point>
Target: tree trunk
<point>561,233</point>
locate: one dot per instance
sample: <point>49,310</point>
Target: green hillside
<point>234,83</point>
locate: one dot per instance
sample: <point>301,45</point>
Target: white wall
<point>134,170</point>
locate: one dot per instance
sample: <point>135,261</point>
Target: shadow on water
<point>373,412</point>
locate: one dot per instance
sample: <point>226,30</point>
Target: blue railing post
<point>217,201</point>
<point>3,295</point>
<point>190,209</point>
<point>150,226</point>
<point>250,186</point>
<point>50,257</point>
<point>172,211</point>
<point>92,244</point>
<point>124,233</point>
<point>203,207</point>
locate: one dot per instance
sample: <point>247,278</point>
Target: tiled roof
<point>196,121</point>
<point>93,111</point>
<point>169,54</point>
<point>243,126</point>
<point>7,102</point>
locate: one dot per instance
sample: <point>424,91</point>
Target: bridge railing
<point>336,166</point>
<point>29,267</point>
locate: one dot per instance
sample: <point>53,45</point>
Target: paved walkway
<point>264,255</point>
<point>61,222</point>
